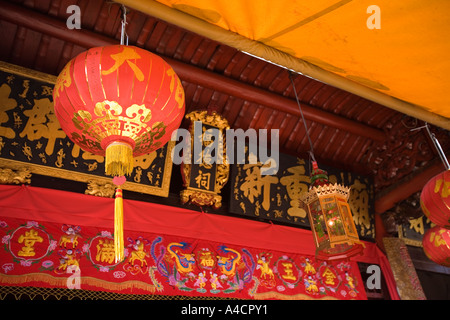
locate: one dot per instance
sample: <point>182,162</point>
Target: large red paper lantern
<point>436,245</point>
<point>118,101</point>
<point>435,199</point>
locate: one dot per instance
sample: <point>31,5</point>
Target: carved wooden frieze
<point>10,176</point>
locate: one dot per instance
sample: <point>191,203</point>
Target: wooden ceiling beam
<point>88,39</point>
<point>406,187</point>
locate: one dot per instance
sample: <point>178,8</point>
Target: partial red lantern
<point>118,101</point>
<point>436,245</point>
<point>435,199</point>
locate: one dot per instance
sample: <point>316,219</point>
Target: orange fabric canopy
<point>396,50</point>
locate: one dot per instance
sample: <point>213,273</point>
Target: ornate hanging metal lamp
<point>330,217</point>
<point>334,232</point>
<point>120,102</point>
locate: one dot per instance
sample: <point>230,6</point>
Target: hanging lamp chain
<point>123,32</point>
<point>437,145</point>
<point>311,151</point>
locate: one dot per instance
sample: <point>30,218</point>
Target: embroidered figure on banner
<point>136,262</point>
<point>215,283</point>
<point>308,267</point>
<point>201,282</point>
<point>311,285</point>
<point>310,278</point>
<point>70,238</point>
<point>69,258</point>
<point>267,278</point>
<point>69,253</point>
<point>351,281</point>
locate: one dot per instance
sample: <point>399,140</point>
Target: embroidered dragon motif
<point>184,261</point>
<point>229,262</point>
<point>238,268</point>
<point>173,272</point>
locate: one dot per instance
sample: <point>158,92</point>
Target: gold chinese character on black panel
<point>206,171</point>
<point>277,197</point>
<point>31,137</point>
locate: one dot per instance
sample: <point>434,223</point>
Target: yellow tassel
<point>119,159</point>
<point>118,226</point>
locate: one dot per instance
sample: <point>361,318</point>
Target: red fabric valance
<point>170,240</point>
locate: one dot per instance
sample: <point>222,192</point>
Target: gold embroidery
<point>289,273</point>
<point>329,276</point>
<point>29,238</point>
<point>111,121</point>
<point>105,251</point>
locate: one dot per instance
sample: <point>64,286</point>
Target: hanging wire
<point>123,32</point>
<point>311,151</point>
<point>437,145</point>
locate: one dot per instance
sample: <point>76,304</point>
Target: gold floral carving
<point>100,189</point>
<point>19,176</point>
<point>408,284</point>
<point>111,120</point>
<point>201,198</point>
<point>211,118</point>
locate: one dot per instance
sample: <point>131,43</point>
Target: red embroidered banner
<point>73,256</point>
<point>60,239</point>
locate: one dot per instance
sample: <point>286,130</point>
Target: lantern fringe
<point>118,226</point>
<point>119,159</point>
